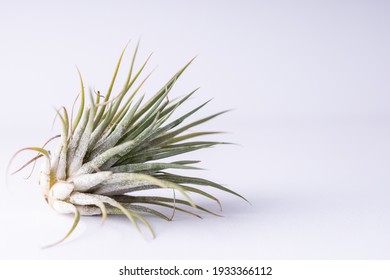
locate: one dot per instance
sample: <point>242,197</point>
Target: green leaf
<point>107,97</point>
<point>174,207</point>
<point>198,191</point>
<point>163,92</point>
<point>153,199</point>
<point>197,181</point>
<point>37,149</point>
<point>145,122</point>
<point>129,214</point>
<point>142,167</point>
<point>143,179</point>
<point>169,136</point>
<point>177,121</point>
<point>124,149</point>
<point>159,153</point>
<point>139,208</point>
<point>82,102</point>
<point>75,223</point>
<point>189,136</point>
<point>99,130</point>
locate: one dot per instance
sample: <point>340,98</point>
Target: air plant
<point>112,149</point>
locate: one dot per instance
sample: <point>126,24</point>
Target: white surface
<point>309,82</point>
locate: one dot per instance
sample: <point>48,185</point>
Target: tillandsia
<point>113,148</point>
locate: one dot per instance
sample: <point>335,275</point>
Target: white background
<point>309,81</point>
